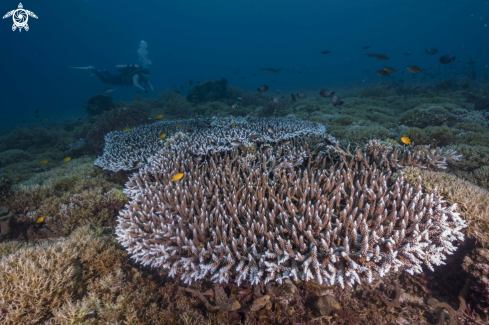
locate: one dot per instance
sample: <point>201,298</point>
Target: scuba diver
<point>129,75</point>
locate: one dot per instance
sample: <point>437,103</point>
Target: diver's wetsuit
<point>130,75</point>
<point>109,78</point>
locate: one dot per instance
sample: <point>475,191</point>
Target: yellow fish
<point>354,85</point>
<point>43,161</point>
<point>40,219</point>
<point>406,140</point>
<point>159,116</point>
<point>183,119</point>
<point>320,108</point>
<point>177,177</point>
<point>376,97</point>
<point>432,150</point>
<point>432,100</point>
<point>451,97</point>
<point>196,116</point>
<point>255,114</point>
<point>67,159</point>
<point>162,135</point>
<point>10,171</point>
<point>16,179</point>
<point>128,147</point>
<point>233,125</point>
<point>178,126</point>
<point>201,245</point>
<point>234,106</point>
<point>127,129</point>
<point>84,153</point>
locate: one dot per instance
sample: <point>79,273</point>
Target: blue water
<point>211,39</point>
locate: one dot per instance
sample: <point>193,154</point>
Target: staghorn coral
<point>128,150</point>
<point>472,200</point>
<point>287,215</point>
<point>43,277</point>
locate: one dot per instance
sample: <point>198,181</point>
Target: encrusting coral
<point>288,214</point>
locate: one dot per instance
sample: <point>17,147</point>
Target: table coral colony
<point>268,199</point>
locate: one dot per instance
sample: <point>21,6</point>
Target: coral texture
<point>128,150</point>
<point>286,214</point>
<point>472,200</point>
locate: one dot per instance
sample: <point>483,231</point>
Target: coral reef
<point>431,116</point>
<point>210,90</point>
<point>114,120</point>
<point>472,200</point>
<point>44,277</point>
<point>98,104</point>
<point>134,148</point>
<point>286,215</point>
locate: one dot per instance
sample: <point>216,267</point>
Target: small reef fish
<point>10,171</point>
<point>236,143</point>
<point>433,150</point>
<point>177,177</point>
<point>432,51</point>
<point>336,100</point>
<point>36,111</point>
<point>325,52</point>
<point>366,47</point>
<point>163,135</point>
<point>109,90</point>
<point>377,56</point>
<point>126,129</point>
<point>196,116</point>
<point>233,125</point>
<point>16,179</point>
<point>234,106</point>
<point>265,149</point>
<point>292,97</point>
<point>445,59</point>
<point>414,69</point>
<point>159,116</point>
<point>224,122</point>
<point>302,95</point>
<point>382,73</point>
<point>390,70</point>
<point>406,140</point>
<point>43,161</point>
<point>178,126</point>
<point>66,159</point>
<point>40,219</point>
<point>432,100</point>
<point>446,85</point>
<point>255,136</point>
<point>276,100</point>
<point>326,93</point>
<point>262,88</point>
<point>256,114</point>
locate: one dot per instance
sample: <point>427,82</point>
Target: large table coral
<point>287,212</point>
<point>126,150</point>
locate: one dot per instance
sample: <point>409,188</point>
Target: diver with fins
<point>128,75</point>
